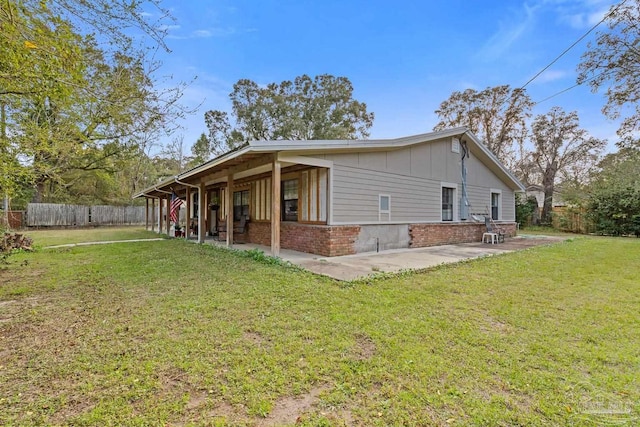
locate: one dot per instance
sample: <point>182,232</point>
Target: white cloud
<point>201,33</point>
<point>211,32</point>
<point>510,31</point>
<point>551,75</point>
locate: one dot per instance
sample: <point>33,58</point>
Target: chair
<point>494,234</point>
<point>221,229</point>
<point>241,227</point>
<point>238,229</point>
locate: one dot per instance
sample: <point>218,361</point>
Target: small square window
<point>384,203</point>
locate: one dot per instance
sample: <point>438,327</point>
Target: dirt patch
<point>365,347</point>
<point>494,325</point>
<point>256,338</point>
<point>288,409</point>
<point>518,243</point>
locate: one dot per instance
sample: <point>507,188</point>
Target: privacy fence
<point>57,215</point>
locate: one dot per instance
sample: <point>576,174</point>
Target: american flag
<point>176,202</point>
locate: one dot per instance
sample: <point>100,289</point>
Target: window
<point>384,208</point>
<point>447,203</point>
<point>240,204</point>
<point>290,200</point>
<point>495,205</point>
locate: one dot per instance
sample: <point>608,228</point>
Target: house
<point>537,191</point>
<point>340,197</point>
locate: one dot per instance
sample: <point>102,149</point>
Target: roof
<point>253,149</point>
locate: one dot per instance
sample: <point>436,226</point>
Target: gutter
<point>186,184</point>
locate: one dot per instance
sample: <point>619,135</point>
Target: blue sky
<point>403,57</point>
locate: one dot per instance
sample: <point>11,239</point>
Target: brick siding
<point>315,239</point>
<point>339,240</point>
<point>421,235</point>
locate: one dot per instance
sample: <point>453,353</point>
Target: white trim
<point>330,197</point>
<point>384,211</point>
<point>453,186</point>
<point>493,191</point>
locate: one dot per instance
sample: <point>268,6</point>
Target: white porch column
<point>275,207</point>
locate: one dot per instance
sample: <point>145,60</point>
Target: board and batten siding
<point>412,177</point>
<point>480,181</point>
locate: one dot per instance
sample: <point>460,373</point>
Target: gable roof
<point>253,149</point>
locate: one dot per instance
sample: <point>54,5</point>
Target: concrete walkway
<point>351,267</point>
<point>106,242</point>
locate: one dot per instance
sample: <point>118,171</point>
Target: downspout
<point>464,201</point>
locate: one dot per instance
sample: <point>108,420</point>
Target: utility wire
<point>571,87</point>
<point>572,46</point>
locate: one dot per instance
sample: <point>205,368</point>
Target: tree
<point>70,106</point>
<point>614,199</point>
<point>201,150</point>
<point>497,115</point>
<point>303,109</point>
<point>560,145</point>
<point>613,62</point>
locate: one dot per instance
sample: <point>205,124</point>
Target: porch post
<point>153,214</point>
<point>275,209</point>
<point>168,220</point>
<point>230,209</point>
<point>201,208</point>
<point>188,222</point>
<point>160,209</point>
<point>146,213</point>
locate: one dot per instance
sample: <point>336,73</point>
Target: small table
<point>493,237</point>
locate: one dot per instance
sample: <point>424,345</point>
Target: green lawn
<point>81,235</point>
<point>174,333</point>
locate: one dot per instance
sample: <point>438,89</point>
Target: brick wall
<point>16,219</point>
<point>316,239</point>
<point>421,235</point>
<point>340,240</point>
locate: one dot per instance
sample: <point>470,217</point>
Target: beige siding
<point>481,181</point>
<point>412,177</point>
<point>356,191</point>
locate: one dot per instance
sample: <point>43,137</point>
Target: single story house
<point>339,197</point>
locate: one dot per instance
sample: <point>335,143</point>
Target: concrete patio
<point>351,267</point>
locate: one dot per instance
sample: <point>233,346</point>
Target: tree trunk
<point>40,189</point>
<point>548,185</point>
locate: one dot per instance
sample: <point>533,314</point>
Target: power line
<point>572,46</point>
<point>571,87</point>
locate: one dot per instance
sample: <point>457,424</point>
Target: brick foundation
<point>339,240</point>
<point>315,239</point>
<point>421,235</point>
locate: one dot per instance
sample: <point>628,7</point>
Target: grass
<point>173,333</point>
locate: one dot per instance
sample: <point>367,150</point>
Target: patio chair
<point>240,228</point>
<point>494,234</point>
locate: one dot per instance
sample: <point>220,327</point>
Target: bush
<point>525,208</point>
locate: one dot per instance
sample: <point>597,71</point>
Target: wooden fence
<point>572,219</point>
<point>57,215</point>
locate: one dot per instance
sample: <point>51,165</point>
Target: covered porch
<point>267,195</point>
